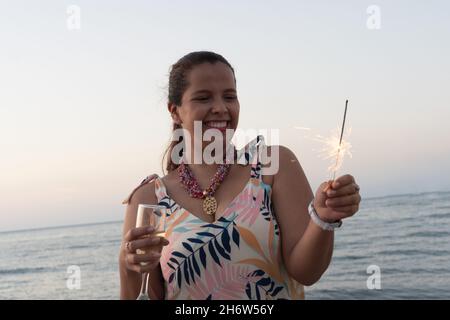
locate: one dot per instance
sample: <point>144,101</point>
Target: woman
<point>233,232</point>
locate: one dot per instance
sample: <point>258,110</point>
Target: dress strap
<point>253,155</point>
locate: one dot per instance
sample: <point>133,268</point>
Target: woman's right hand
<point>143,238</point>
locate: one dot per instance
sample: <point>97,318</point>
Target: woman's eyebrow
<point>201,91</point>
<point>230,90</point>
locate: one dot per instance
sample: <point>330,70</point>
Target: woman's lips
<point>219,125</point>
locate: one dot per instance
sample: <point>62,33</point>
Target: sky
<point>83,115</point>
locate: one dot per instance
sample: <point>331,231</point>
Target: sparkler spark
<point>335,147</point>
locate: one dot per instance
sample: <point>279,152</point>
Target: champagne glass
<point>149,215</point>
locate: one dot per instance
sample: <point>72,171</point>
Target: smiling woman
<point>233,231</point>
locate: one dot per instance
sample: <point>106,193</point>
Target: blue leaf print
<point>186,274</point>
<point>271,286</point>
<point>248,291</point>
<point>213,253</point>
<point>171,266</point>
<point>179,277</point>
<point>179,254</point>
<point>226,241</point>
<point>202,256</point>
<point>195,240</point>
<point>235,235</point>
<point>171,277</point>
<point>206,234</point>
<point>196,267</point>
<point>211,225</point>
<point>263,282</point>
<point>209,297</point>
<point>258,272</point>
<point>188,246</point>
<point>221,250</point>
<point>191,271</point>
<point>174,260</point>
<point>274,292</point>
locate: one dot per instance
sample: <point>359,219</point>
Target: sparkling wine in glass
<point>150,215</point>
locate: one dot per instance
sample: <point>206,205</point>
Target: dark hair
<point>178,84</point>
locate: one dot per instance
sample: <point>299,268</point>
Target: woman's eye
<point>201,99</point>
<point>230,97</point>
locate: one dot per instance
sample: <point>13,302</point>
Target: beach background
<point>83,119</point>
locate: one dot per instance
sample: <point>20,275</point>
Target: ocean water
<point>405,238</point>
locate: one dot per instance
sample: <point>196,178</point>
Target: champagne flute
<point>149,215</point>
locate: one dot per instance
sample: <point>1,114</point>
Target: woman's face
<point>210,98</point>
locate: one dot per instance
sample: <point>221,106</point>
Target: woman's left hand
<point>338,199</point>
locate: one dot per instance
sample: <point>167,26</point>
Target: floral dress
<point>238,256</point>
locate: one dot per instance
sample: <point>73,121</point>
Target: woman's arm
<point>130,280</point>
<point>306,248</point>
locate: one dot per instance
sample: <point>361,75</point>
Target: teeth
<point>217,124</point>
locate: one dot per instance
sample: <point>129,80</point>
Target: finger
<point>326,185</point>
<point>342,181</point>
<point>147,242</point>
<point>346,190</point>
<point>150,257</point>
<point>344,212</point>
<point>148,267</point>
<point>342,201</point>
<point>135,233</point>
<point>143,268</point>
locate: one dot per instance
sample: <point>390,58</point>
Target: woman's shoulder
<point>275,158</point>
<point>143,192</point>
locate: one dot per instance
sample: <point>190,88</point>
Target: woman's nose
<point>219,106</point>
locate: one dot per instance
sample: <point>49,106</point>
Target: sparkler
<point>334,147</point>
<point>340,140</point>
<point>339,148</point>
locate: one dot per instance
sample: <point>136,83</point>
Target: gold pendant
<point>210,205</point>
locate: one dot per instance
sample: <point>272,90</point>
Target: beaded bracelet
<point>322,224</point>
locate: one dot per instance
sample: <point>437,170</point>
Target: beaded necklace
<point>189,182</point>
<point>193,188</point>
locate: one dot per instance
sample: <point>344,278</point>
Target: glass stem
<point>144,284</point>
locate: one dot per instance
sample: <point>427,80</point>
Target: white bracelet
<point>324,225</point>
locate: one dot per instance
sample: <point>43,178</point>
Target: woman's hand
<point>143,238</point>
<point>338,199</point>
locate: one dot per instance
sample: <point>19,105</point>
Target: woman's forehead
<point>208,75</point>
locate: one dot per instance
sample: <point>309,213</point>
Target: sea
<point>395,247</point>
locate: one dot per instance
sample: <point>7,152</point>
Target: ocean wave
<point>429,234</point>
<point>23,270</point>
<point>413,252</point>
<point>439,215</point>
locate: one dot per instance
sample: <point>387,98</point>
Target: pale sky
<point>83,114</point>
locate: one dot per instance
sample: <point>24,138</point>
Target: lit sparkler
<point>335,147</point>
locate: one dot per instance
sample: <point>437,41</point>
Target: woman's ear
<point>173,109</point>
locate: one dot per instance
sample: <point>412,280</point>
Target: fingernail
<point>331,192</point>
<point>151,229</point>
<point>337,184</point>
